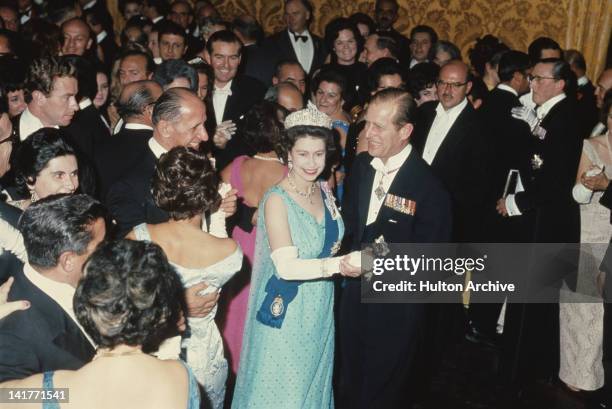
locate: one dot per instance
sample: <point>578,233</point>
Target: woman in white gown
<point>581,324</point>
<point>185,186</point>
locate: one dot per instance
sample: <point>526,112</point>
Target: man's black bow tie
<point>298,37</point>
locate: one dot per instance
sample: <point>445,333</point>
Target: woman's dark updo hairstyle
<point>185,184</point>
<point>34,154</point>
<point>328,74</point>
<point>262,128</point>
<point>129,294</point>
<point>298,132</point>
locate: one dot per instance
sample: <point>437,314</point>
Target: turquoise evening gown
<point>292,366</point>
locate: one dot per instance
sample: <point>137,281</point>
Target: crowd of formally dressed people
<point>185,202</point>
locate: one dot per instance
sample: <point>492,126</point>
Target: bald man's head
<point>604,83</point>
<point>290,97</point>
<point>76,37</point>
<point>136,101</point>
<point>453,83</point>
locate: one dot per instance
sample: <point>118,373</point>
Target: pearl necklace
<point>306,195</point>
<point>269,159</point>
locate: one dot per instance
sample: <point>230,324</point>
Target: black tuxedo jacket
<point>509,138</point>
<point>130,200</point>
<point>278,47</point>
<point>41,338</point>
<point>403,46</point>
<point>414,181</point>
<point>117,154</point>
<point>253,64</point>
<point>548,186</point>
<point>460,163</point>
<point>87,130</point>
<point>246,92</point>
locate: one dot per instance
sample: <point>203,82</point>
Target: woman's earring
<point>33,196</point>
<point>290,164</point>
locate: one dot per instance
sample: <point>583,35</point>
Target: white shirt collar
<point>227,89</point>
<point>90,4</point>
<point>100,37</point>
<point>394,162</point>
<point>543,110</point>
<point>85,102</point>
<point>414,62</point>
<point>583,80</point>
<point>61,293</point>
<point>158,18</point>
<point>454,111</point>
<point>156,148</point>
<point>136,126</point>
<point>507,88</point>
<point>28,124</point>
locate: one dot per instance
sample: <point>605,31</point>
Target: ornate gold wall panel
<point>581,24</point>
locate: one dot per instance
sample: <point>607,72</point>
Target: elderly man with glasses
<point>544,202</point>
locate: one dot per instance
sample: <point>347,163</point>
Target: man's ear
<point>89,43</point>
<point>164,128</point>
<point>38,98</point>
<point>468,87</point>
<point>67,261</point>
<point>405,131</point>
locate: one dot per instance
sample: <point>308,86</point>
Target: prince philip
<point>391,195</point>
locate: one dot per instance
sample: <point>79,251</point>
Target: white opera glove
<point>11,240</point>
<point>582,194</point>
<point>290,267</point>
<point>217,219</point>
<point>527,115</point>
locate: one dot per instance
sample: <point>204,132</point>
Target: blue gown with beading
<point>292,366</point>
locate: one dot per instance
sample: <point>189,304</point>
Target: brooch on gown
<point>277,307</point>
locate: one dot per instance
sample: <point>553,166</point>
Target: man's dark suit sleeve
<point>606,198</point>
<point>125,206</point>
<point>17,360</point>
<point>350,204</point>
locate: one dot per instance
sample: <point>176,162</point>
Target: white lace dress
<point>581,324</point>
<point>204,345</point>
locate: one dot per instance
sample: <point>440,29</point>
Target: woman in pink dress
<point>261,129</point>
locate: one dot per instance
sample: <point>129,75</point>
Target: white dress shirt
<point>582,81</point>
<point>414,62</point>
<point>220,96</point>
<point>304,50</point>
<point>541,112</point>
<point>386,172</point>
<point>442,123</point>
<point>28,124</point>
<point>61,293</point>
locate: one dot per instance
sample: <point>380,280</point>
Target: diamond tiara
<point>310,116</point>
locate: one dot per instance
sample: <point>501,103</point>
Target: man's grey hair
<point>168,106</point>
<point>136,103</point>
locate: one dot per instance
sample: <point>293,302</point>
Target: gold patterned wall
<point>580,24</point>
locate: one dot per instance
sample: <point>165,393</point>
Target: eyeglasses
<point>453,85</point>
<point>538,78</point>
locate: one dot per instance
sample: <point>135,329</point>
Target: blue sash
<point>280,293</point>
